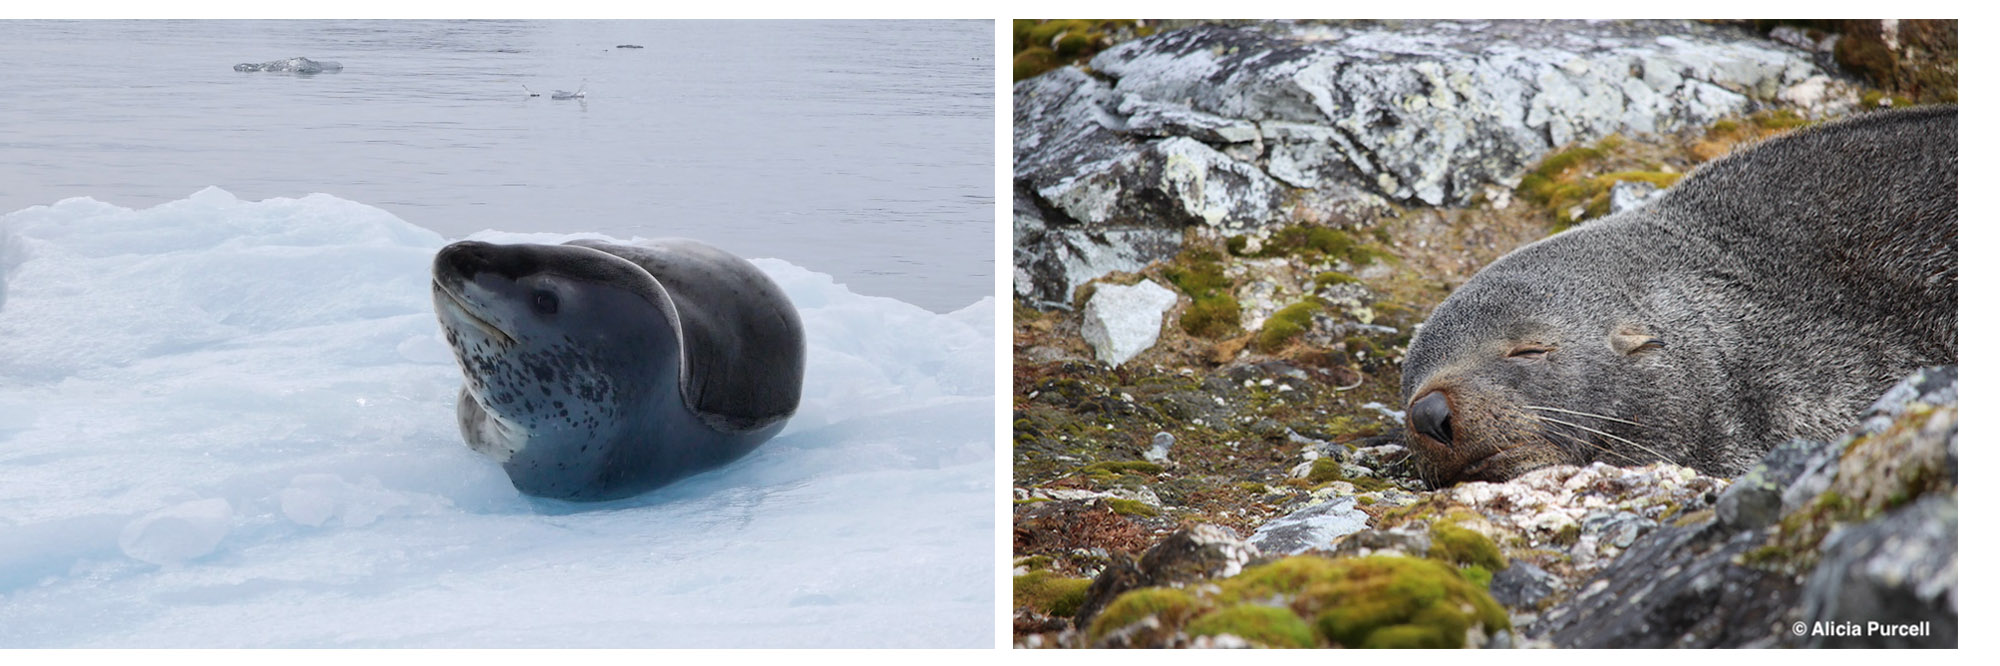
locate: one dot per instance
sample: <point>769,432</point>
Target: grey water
<point>862,149</point>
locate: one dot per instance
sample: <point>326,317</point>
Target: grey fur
<point>1784,286</point>
<point>596,371</point>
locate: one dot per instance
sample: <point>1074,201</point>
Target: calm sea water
<point>860,149</point>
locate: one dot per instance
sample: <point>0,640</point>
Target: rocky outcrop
<point>1850,543</point>
<point>1228,129</point>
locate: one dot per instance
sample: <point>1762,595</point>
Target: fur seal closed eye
<point>1771,294</point>
<point>596,371</point>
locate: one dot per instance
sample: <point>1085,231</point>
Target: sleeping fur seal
<point>1771,294</point>
<point>595,371</point>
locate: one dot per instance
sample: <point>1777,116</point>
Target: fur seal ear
<point>1629,341</point>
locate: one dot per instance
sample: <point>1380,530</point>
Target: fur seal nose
<point>1431,415</point>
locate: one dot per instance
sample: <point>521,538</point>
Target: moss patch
<point>1286,324</point>
<point>1126,507</point>
<point>1466,547</point>
<point>1111,469</point>
<point>1314,243</point>
<point>1214,313</point>
<point>1041,45</point>
<point>1375,601</point>
<point>1171,606</point>
<point>1049,594</point>
<point>1563,186</point>
<point>1261,625</point>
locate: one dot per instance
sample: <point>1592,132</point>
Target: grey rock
<point>1900,568</point>
<point>1690,586</point>
<point>1316,525</point>
<point>1758,497</point>
<point>292,66</point>
<point>1154,119</point>
<point>1408,540</point>
<point>1631,194</point>
<point>1196,553</point>
<point>1618,529</point>
<point>1223,128</point>
<point>1522,585</point>
<point>1050,262</point>
<point>1676,587</point>
<point>1192,554</point>
<point>1122,321</point>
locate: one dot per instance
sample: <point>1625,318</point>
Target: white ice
<point>228,423</point>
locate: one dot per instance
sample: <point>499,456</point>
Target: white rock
<point>1119,322</point>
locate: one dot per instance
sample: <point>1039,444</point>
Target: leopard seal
<point>597,371</point>
<point>1771,294</point>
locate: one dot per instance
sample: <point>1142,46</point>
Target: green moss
<point>1236,244</point>
<point>1479,575</point>
<point>1212,317</point>
<point>1315,243</point>
<point>1034,62</point>
<point>1376,601</point>
<point>1126,507</point>
<point>1872,99</point>
<point>1031,500</point>
<point>1261,625</point>
<point>1061,41</point>
<point>1778,119</point>
<point>1392,601</point>
<point>1170,605</point>
<point>1568,535</point>
<point>1463,546</point>
<point>1034,562</point>
<point>1325,470</point>
<point>1286,324</point>
<point>1048,594</point>
<point>1556,184</point>
<point>1214,312</point>
<point>1323,280</point>
<point>1364,500</point>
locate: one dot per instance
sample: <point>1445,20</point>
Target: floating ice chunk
<point>177,533</point>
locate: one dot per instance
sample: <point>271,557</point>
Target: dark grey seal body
<point>596,371</point>
<point>1772,294</point>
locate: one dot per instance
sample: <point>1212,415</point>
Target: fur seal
<point>1771,294</point>
<point>596,371</point>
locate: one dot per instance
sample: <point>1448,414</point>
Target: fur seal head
<point>1772,294</point>
<point>1515,372</point>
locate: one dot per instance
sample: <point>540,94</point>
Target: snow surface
<point>228,423</point>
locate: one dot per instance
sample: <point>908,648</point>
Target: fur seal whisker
<point>1606,434</point>
<point>1595,445</point>
<point>1594,416</point>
